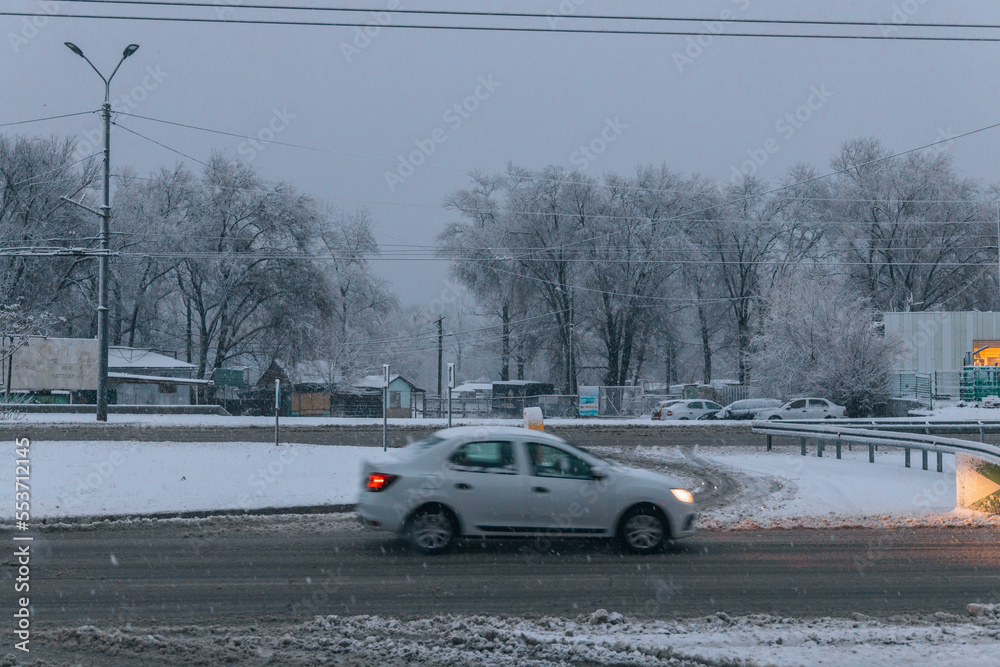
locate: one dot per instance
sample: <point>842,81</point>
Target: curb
<point>193,514</point>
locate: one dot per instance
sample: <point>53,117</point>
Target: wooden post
<point>838,449</point>
<point>768,443</point>
<point>940,462</point>
<point>803,446</point>
<point>871,453</point>
<point>924,457</point>
<point>907,453</point>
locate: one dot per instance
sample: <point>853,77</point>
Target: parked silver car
<point>515,482</point>
<point>805,408</point>
<point>747,408</point>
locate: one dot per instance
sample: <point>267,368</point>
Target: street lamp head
<point>129,50</point>
<point>74,48</point>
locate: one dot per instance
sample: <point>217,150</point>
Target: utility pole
<point>104,256</point>
<point>440,357</point>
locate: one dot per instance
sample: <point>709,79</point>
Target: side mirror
<point>598,473</point>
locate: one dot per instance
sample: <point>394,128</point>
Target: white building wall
<point>939,341</point>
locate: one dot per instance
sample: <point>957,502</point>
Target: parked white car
<point>515,482</point>
<point>747,408</point>
<point>658,410</point>
<point>805,408</point>
<point>694,408</point>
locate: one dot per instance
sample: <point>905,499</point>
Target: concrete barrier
<point>977,483</point>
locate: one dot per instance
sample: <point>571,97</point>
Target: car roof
<point>459,432</point>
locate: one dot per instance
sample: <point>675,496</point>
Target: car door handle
<point>462,486</point>
<point>539,489</point>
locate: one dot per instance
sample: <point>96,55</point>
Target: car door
<point>818,408</point>
<point>562,494</point>
<point>694,410</point>
<point>484,484</point>
<point>796,410</point>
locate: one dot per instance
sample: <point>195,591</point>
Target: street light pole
<point>104,257</point>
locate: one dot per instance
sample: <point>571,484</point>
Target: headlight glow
<point>683,495</point>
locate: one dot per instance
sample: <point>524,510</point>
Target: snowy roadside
<point>776,490</point>
<point>825,492</point>
<point>40,418</point>
<point>600,638</point>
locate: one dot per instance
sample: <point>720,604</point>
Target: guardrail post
<point>907,450</point>
<point>803,446</point>
<point>981,438</point>
<point>924,457</point>
<point>769,443</point>
<point>819,449</point>
<point>871,453</point>
<point>838,449</point>
<point>940,462</point>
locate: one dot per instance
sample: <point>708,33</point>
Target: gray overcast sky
<point>548,95</point>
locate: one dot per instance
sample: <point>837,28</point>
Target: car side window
<point>548,461</point>
<point>712,406</point>
<point>695,405</point>
<point>485,456</point>
<point>801,403</point>
<point>817,403</point>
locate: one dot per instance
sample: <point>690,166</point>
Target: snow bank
<point>602,638</point>
<point>109,478</point>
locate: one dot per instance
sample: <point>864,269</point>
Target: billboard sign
<point>54,363</point>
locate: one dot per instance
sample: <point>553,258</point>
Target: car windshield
<point>589,453</point>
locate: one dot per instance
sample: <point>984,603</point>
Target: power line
<point>534,15</point>
<point>540,179</point>
<point>516,29</point>
<point>154,141</point>
<point>39,120</point>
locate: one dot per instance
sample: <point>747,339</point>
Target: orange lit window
<point>986,353</point>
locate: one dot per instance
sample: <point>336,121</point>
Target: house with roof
<point>145,377</point>
<point>405,398</point>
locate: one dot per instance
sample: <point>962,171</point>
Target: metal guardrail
<point>927,426</point>
<point>926,443</point>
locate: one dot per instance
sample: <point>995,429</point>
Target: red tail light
<point>378,481</point>
<point>670,413</point>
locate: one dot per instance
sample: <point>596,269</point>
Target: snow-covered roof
<point>470,387</point>
<point>375,382</point>
<point>519,382</point>
<point>131,357</point>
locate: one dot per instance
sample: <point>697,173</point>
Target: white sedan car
<point>690,409</point>
<point>805,408</point>
<point>515,482</point>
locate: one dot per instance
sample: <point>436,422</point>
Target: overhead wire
<point>499,28</point>
<point>507,14</point>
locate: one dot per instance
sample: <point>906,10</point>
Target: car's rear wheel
<point>774,418</point>
<point>431,530</point>
<point>643,530</point>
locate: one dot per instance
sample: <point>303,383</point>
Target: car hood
<point>647,477</point>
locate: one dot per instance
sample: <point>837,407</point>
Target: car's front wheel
<point>643,530</point>
<point>431,530</point>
